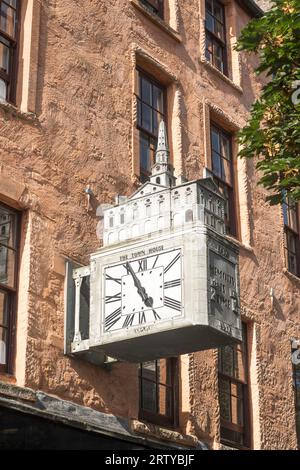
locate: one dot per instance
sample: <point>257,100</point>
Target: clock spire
<point>162,170</point>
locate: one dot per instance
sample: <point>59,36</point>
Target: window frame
<point>231,225</point>
<point>297,402</point>
<point>150,5</point>
<point>12,295</point>
<point>216,40</point>
<point>294,233</point>
<point>152,138</point>
<point>244,429</point>
<point>11,77</point>
<point>156,418</point>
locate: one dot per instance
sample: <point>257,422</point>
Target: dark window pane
<point>149,396</point>
<point>144,153</point>
<point>215,140</point>
<point>209,22</point>
<point>216,164</point>
<point>146,117</point>
<point>3,308</point>
<point>84,320</point>
<point>232,436</point>
<point>149,117</point>
<point>156,6</point>
<point>293,223</point>
<point>7,227</point>
<point>7,19</point>
<point>149,370</point>
<point>219,31</point>
<point>225,147</point>
<point>3,346</point>
<point>209,7</point>
<point>3,89</point>
<point>218,11</point>
<point>227,366</point>
<point>237,404</point>
<point>224,398</point>
<point>4,55</point>
<point>7,266</point>
<point>158,102</point>
<point>146,91</point>
<point>285,213</point>
<point>157,381</point>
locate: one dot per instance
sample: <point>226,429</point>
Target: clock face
<point>143,291</point>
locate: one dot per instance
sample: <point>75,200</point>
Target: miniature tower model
<point>162,171</point>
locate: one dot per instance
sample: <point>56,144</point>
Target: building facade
<point>83,90</point>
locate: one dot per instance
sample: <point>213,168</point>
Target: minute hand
<point>141,290</point>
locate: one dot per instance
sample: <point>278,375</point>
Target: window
<point>151,110</point>
<point>297,399</point>
<point>9,229</point>
<point>155,6</point>
<point>233,393</point>
<point>159,391</point>
<point>222,168</point>
<point>8,48</point>
<point>291,229</point>
<point>215,31</point>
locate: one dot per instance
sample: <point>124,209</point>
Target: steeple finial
<point>162,152</point>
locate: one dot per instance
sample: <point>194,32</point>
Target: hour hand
<point>148,301</point>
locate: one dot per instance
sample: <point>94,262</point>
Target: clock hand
<point>148,301</point>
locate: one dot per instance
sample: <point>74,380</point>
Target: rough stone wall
<point>82,134</point>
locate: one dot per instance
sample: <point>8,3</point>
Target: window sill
<point>12,110</point>
<point>156,20</point>
<point>226,79</point>
<point>164,434</point>
<point>227,445</point>
<point>291,276</point>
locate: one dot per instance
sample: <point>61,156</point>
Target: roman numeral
<point>126,267</point>
<point>142,318</point>
<point>175,283</point>
<point>128,320</point>
<point>142,265</point>
<point>115,279</point>
<point>172,303</point>
<point>155,261</point>
<point>177,257</point>
<point>156,316</point>
<point>112,318</point>
<point>113,298</point>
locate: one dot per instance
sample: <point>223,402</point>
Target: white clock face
<point>143,291</point>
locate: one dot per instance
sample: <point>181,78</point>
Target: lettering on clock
<point>172,303</point>
<point>112,318</point>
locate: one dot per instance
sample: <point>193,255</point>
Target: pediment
<point>147,189</point>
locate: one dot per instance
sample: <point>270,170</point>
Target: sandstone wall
<point>80,133</point>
